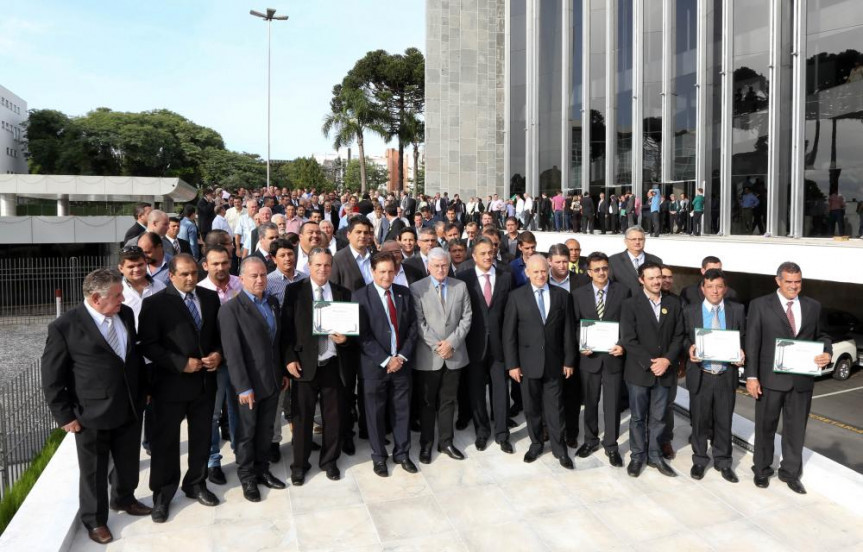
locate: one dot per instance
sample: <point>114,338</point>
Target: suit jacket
<point>499,266</point>
<point>375,333</point>
<point>268,262</point>
<point>254,361</point>
<point>299,345</point>
<point>416,264</point>
<point>185,247</point>
<point>169,338</point>
<point>436,322</point>
<point>82,377</point>
<point>393,229</point>
<point>623,271</point>
<point>584,305</point>
<point>412,273</point>
<point>538,349</point>
<point>510,245</point>
<point>484,339</point>
<point>587,208</point>
<point>575,281</point>
<point>133,232</point>
<point>206,214</point>
<point>346,272</point>
<point>735,319</point>
<point>766,323</point>
<point>643,338</point>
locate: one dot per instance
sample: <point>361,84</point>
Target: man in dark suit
<point>406,274</point>
<point>489,290</point>
<point>426,240</point>
<point>178,245</point>
<point>94,383</point>
<point>388,333</point>
<point>352,270</point>
<point>316,364</point>
<point>251,332</point>
<point>651,331</point>
<point>781,315</point>
<point>206,212</point>
<point>267,232</point>
<point>179,332</point>
<point>712,385</point>
<point>538,348</point>
<point>613,214</point>
<point>601,373</point>
<point>624,265</point>
<point>394,225</point>
<point>140,225</point>
<point>602,215</point>
<point>526,248</point>
<point>588,212</point>
<point>694,295</point>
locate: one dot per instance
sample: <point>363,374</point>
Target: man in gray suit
<point>624,265</point>
<point>251,329</point>
<point>444,314</point>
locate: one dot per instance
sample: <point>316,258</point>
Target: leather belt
<point>714,372</point>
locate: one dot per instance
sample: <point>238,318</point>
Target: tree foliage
<point>305,172</point>
<point>376,175</point>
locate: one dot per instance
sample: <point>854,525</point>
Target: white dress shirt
<point>795,309</point>
<point>134,300</point>
<point>328,296</point>
<point>116,322</point>
<point>363,263</point>
<point>546,298</point>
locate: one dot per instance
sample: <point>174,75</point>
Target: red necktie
<point>486,289</point>
<point>391,307</point>
<point>790,314</point>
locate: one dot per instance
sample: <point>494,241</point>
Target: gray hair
<point>538,257</point>
<point>263,227</point>
<point>789,267</point>
<point>100,281</point>
<point>438,253</point>
<point>251,259</point>
<point>155,215</point>
<point>427,230</point>
<point>319,251</point>
<point>632,229</point>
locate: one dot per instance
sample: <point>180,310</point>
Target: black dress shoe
<point>251,492</point>
<point>697,472</point>
<point>315,446</point>
<point>202,495</point>
<point>635,468</point>
<point>663,468</point>
<point>532,454</point>
<point>506,447</point>
<point>159,513</point>
<point>333,473</point>
<point>216,476</point>
<point>794,484</point>
<point>762,481</point>
<point>381,469</point>
<point>452,452</point>
<point>566,462</point>
<point>510,423</point>
<point>425,454</point>
<point>481,443</point>
<point>615,459</point>
<point>275,453</point>
<point>134,508</point>
<point>101,534</point>
<point>668,451</point>
<point>408,465</point>
<point>348,447</point>
<point>267,479</point>
<point>586,450</point>
<point>729,475</point>
<point>297,479</point>
<point>461,425</point>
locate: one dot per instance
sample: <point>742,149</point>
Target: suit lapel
<point>91,328</point>
<point>783,317</point>
<point>171,290</point>
<point>252,310</point>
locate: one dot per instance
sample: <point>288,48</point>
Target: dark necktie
<point>322,339</point>
<point>391,307</point>
<point>193,310</point>
<point>600,304</point>
<point>177,247</point>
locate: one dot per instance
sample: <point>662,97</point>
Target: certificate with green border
<point>794,356</point>
<point>335,317</point>
<point>598,336</point>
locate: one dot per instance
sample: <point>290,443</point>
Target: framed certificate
<point>598,336</point>
<point>330,317</point>
<point>797,357</point>
<point>717,345</point>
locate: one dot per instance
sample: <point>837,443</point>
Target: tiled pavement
<point>494,501</point>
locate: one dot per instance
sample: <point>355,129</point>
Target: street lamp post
<point>269,17</point>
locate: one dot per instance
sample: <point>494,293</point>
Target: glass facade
<point>724,95</point>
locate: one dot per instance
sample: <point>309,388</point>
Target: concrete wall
<point>465,97</point>
<point>13,112</point>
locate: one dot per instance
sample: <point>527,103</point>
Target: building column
<point>668,37</point>
<point>532,54</point>
<point>702,126</point>
<point>8,202</point>
<point>63,206</point>
<point>727,117</point>
<point>585,96</point>
<point>637,91</point>
<point>610,93</point>
<point>773,118</point>
<point>565,91</point>
<point>798,119</point>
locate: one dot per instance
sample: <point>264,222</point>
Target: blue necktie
<point>190,304</point>
<point>541,302</point>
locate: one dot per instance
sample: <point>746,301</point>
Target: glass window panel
<point>623,162</point>
<point>575,98</point>
<point>833,193</point>
<point>651,124</point>
<point>549,95</point>
<point>517,96</point>
<point>597,96</point>
<point>683,98</point>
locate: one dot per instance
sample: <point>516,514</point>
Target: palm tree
<point>351,114</point>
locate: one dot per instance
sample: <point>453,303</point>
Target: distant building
<point>13,112</point>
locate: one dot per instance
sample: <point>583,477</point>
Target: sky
<point>204,59</point>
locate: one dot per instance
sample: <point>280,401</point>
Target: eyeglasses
<point>131,249</point>
<point>599,269</point>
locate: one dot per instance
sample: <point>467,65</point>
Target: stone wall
<point>465,97</point>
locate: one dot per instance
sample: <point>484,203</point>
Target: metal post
<point>727,117</point>
<point>798,118</point>
<point>610,93</point>
<point>702,126</point>
<point>667,148</point>
<point>585,95</point>
<point>637,92</point>
<point>269,25</point>
<point>774,70</point>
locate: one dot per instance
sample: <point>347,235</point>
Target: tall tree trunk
<point>401,180</point>
<point>416,164</point>
<point>362,153</point>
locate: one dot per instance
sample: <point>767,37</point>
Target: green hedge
<point>19,491</point>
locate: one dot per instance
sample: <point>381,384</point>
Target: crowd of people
<point>208,318</point>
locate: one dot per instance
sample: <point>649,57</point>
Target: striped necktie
<point>193,310</point>
<point>112,338</point>
<point>600,304</point>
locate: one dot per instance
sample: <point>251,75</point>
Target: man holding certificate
<point>715,331</point>
<point>600,369</point>
<point>783,383</point>
<point>315,363</point>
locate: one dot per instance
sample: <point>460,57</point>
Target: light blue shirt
<point>441,285</point>
<point>654,203</point>
<point>546,298</point>
<point>364,263</point>
<point>115,321</point>
<point>707,320</point>
<point>189,232</point>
